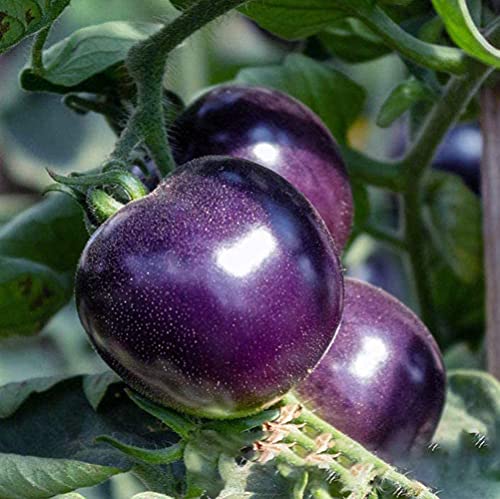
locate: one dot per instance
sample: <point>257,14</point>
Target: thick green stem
<point>37,50</point>
<point>308,444</point>
<point>147,63</point>
<point>436,57</point>
<point>416,163</point>
<point>392,239</point>
<point>356,453</point>
<point>371,171</point>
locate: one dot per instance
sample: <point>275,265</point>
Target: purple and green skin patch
<point>383,381</point>
<point>276,131</point>
<point>215,294</point>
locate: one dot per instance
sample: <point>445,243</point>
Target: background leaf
<point>95,386</point>
<point>453,216</point>
<point>39,250</point>
<point>461,28</point>
<point>14,394</point>
<point>90,51</point>
<point>350,40</point>
<point>403,97</point>
<point>50,440</point>
<point>293,19</point>
<point>252,480</point>
<point>151,495</point>
<point>335,98</point>
<point>465,462</point>
<point>22,18</point>
<point>33,477</point>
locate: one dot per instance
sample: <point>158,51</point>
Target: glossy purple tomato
<point>276,131</point>
<point>383,380</point>
<point>216,293</point>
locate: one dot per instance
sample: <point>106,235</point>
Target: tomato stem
<point>416,163</point>
<point>37,50</point>
<point>147,63</point>
<point>436,57</point>
<point>356,453</point>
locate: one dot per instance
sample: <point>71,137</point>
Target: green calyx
<point>102,194</point>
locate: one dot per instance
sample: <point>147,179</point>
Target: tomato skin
<point>278,132</point>
<point>216,293</point>
<point>383,381</point>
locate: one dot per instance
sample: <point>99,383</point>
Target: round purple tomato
<point>383,380</point>
<point>216,293</point>
<point>276,131</point>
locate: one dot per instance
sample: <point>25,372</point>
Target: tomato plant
<point>208,251</point>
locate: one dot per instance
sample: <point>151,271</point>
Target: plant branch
<point>147,63</point>
<point>436,57</point>
<point>490,189</point>
<point>356,453</point>
<point>391,238</point>
<point>374,172</point>
<point>416,163</point>
<point>37,50</point>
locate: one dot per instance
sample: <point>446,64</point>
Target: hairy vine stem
<point>37,50</point>
<point>356,453</point>
<point>147,63</point>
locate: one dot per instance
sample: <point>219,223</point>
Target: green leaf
<point>33,477</point>
<point>30,293</point>
<point>92,50</point>
<point>459,305</point>
<point>465,460</point>
<point>252,481</point>
<point>350,40</point>
<point>293,19</point>
<point>165,455</point>
<point>403,97</point>
<point>461,356</point>
<point>39,250</point>
<point>48,445</point>
<point>202,475</point>
<point>180,424</point>
<point>203,453</point>
<point>95,386</point>
<point>453,218</point>
<point>22,18</point>
<point>335,98</point>
<point>461,28</point>
<point>402,3</point>
<point>151,495</point>
<point>14,394</point>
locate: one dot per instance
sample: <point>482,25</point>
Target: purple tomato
<point>216,293</point>
<point>383,380</point>
<point>276,131</point>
